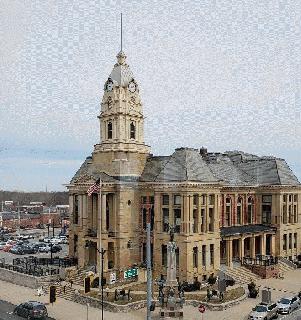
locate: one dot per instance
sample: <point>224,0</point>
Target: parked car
<point>44,249</point>
<point>16,250</point>
<point>29,249</point>
<point>31,310</point>
<point>287,305</point>
<point>7,247</point>
<point>264,311</point>
<point>55,240</point>
<point>2,245</point>
<point>56,248</point>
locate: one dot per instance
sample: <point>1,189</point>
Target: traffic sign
<point>202,308</point>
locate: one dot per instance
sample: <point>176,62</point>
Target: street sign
<point>112,277</point>
<point>202,308</point>
<point>130,273</point>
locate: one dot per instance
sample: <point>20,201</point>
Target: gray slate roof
<point>185,164</point>
<point>232,168</point>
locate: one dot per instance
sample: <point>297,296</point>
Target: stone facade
<point>224,206</point>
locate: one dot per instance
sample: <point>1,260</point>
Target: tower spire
<point>121,31</point>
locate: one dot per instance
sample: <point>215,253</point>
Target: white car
<point>55,241</point>
<point>264,312</point>
<point>287,305</point>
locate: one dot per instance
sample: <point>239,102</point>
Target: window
<point>290,241</point>
<point>165,199</point>
<point>203,199</point>
<point>290,197</point>
<point>266,209</point>
<point>75,212</point>
<point>284,213</point>
<point>295,240</point>
<point>239,210</point>
<point>284,242</point>
<point>284,198</point>
<point>195,221</point>
<point>195,199</point>
<point>75,239</point>
<point>177,200</point>
<point>250,209</point>
<point>228,212</point>
<point>177,219</point>
<point>203,225</point>
<point>132,131</point>
<point>164,255</point>
<point>211,220</point>
<point>290,218</point>
<point>204,255</point>
<point>195,257</point>
<point>144,200</point>
<point>110,130</point>
<point>144,218</point>
<point>295,214</point>
<point>165,213</point>
<point>295,198</point>
<point>211,199</point>
<point>212,254</point>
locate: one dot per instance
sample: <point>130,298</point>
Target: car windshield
<point>260,309</point>
<point>284,301</point>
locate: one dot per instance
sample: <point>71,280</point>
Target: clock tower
<point>121,124</point>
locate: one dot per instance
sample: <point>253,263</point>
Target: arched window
<point>250,209</point>
<point>110,130</point>
<point>239,210</point>
<point>132,131</point>
<point>228,211</point>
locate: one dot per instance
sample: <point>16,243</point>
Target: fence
<point>260,261</point>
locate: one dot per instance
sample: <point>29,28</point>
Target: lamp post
<point>102,252</point>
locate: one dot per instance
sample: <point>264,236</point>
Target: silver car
<point>287,305</point>
<point>264,311</point>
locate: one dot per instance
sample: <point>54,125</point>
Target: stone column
<point>158,223</point>
<point>241,248</point>
<point>185,213</point>
<point>253,247</point>
<point>85,213</point>
<point>208,265</point>
<point>80,209</point>
<point>263,245</point>
<point>229,253</point>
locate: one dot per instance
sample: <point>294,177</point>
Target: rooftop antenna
<point>121,31</point>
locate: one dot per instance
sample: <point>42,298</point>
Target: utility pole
<point>148,262</point>
<point>19,217</point>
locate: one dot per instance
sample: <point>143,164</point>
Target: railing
<point>260,261</point>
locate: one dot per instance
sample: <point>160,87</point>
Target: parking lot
<point>36,235</point>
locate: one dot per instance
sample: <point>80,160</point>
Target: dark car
<point>56,248</point>
<point>16,250</point>
<point>29,249</point>
<point>31,310</point>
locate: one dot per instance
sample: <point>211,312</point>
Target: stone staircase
<point>241,274</point>
<point>285,266</point>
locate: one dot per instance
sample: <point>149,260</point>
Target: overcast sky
<point>220,74</point>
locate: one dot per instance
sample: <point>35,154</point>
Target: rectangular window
<point>290,197</point>
<point>195,199</point>
<point>177,200</point>
<point>203,199</point>
<point>290,217</point>
<point>204,255</point>
<point>195,221</point>
<point>195,257</point>
<point>267,199</point>
<point>266,209</point>
<point>211,199</point>
<point>227,217</point>
<point>211,254</point>
<point>177,220</point>
<point>284,198</point>
<point>295,214</point>
<point>75,239</point>
<point>165,199</point>
<point>203,220</point>
<point>144,200</point>
<point>284,213</point>
<point>290,241</point>
<point>295,198</point>
<point>164,255</point>
<point>238,214</point>
<point>75,210</point>
<point>285,242</point>
<point>211,220</point>
<point>151,200</point>
<point>295,240</point>
<point>165,214</point>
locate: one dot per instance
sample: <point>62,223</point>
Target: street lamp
<point>102,252</point>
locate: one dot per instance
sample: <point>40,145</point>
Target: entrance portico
<point>246,241</point>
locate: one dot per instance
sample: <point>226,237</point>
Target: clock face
<point>132,86</point>
<point>109,85</point>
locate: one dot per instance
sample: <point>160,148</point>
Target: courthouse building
<point>223,206</point>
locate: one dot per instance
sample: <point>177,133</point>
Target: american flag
<point>95,188</point>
